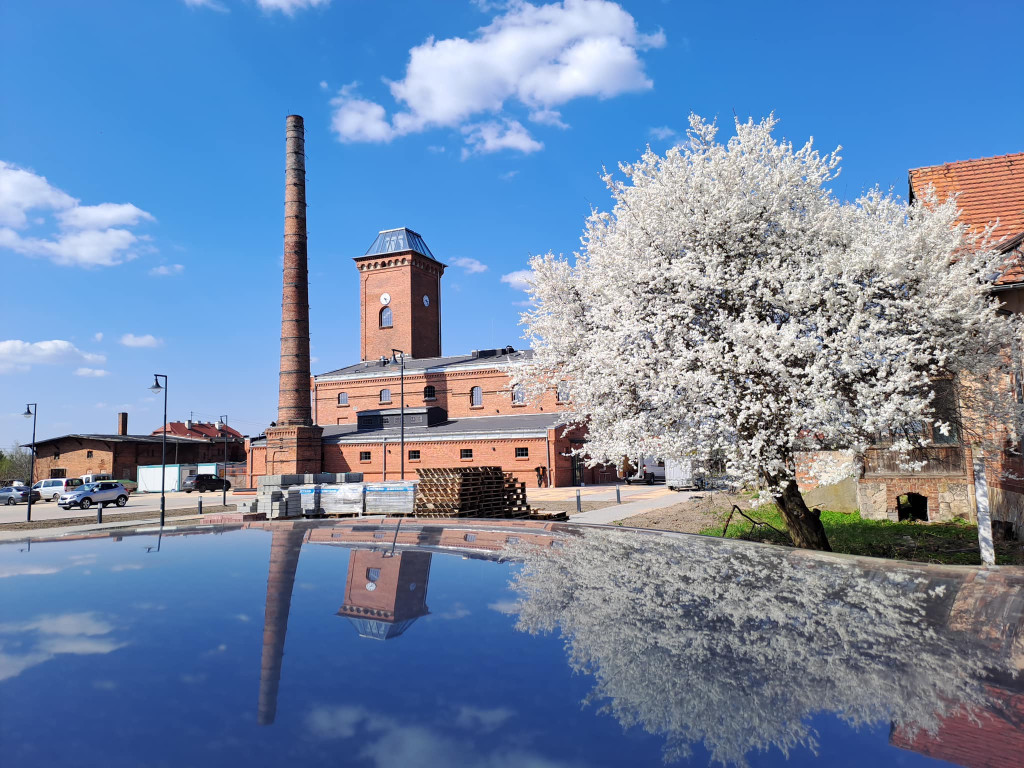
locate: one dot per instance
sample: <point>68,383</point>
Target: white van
<point>96,477</point>
<point>51,490</point>
<point>647,471</point>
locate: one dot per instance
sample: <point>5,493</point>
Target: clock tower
<point>400,296</point>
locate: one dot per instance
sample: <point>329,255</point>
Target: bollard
<point>200,505</point>
<point>618,496</point>
<point>579,505</point>
<point>99,512</point>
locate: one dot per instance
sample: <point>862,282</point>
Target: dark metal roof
<point>373,368</point>
<point>479,426</point>
<point>171,439</point>
<point>398,241</point>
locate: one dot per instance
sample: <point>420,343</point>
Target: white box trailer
<point>148,477</point>
<point>679,475</point>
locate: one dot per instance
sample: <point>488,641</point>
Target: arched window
<point>562,392</point>
<point>385,317</point>
<point>385,395</point>
<point>476,396</point>
<point>518,395</point>
<point>343,398</point>
<point>429,393</point>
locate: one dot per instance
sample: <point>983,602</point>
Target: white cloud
<point>51,635</point>
<point>473,266</point>
<point>482,720</point>
<point>17,355</point>
<point>509,175</point>
<point>95,373</point>
<point>519,279</point>
<point>458,611</point>
<point>436,148</point>
<point>539,56</point>
<point>289,7</point>
<point>508,607</point>
<point>89,236</point>
<point>131,340</point>
<point>213,5</point>
<point>492,136</point>
<point>662,132</point>
<point>164,270</point>
<point>323,84</point>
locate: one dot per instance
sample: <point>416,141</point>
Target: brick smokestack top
<point>293,408</point>
<point>122,423</point>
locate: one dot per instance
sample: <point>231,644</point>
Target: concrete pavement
<point>658,500</point>
<point>137,502</point>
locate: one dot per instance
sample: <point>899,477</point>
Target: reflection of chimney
<point>284,558</point>
<point>293,406</point>
<point>122,423</point>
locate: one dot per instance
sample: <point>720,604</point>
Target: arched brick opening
<point>912,506</point>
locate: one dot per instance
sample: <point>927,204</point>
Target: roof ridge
<point>971,160</point>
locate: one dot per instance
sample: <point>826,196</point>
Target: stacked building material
<point>470,492</point>
<point>334,499</point>
<point>391,498</point>
<point>281,495</point>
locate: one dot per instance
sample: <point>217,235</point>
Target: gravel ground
<point>690,516</point>
<point>87,519</point>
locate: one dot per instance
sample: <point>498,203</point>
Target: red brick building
<point>459,409</point>
<point>989,189</point>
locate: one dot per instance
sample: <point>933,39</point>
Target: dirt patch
<point>109,517</point>
<point>690,516</point>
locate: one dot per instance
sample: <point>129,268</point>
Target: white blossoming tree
<point>731,306</point>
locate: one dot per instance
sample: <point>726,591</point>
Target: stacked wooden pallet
<point>470,492</point>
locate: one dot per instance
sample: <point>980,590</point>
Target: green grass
<point>954,543</point>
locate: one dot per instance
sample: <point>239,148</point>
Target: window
<point>414,455</point>
<point>372,574</point>
<point>385,395</point>
<point>476,397</point>
<point>470,537</point>
<point>58,473</point>
<point>385,317</point>
<point>466,453</point>
<point>380,535</point>
<point>429,393</point>
<point>364,455</point>
<point>88,454</point>
<point>518,395</point>
<point>562,392</point>
<point>512,540</point>
<point>522,453</point>
<point>343,398</point>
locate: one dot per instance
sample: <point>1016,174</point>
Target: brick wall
<point>122,459</point>
<point>407,278</point>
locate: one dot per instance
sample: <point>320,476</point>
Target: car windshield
<point>89,487</point>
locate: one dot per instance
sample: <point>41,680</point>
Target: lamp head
<point>156,389</point>
<point>28,413</point>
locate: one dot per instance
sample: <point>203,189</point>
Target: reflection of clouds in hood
<point>127,567</point>
<point>10,569</point>
<point>50,635</point>
<point>486,720</point>
<point>388,743</point>
<point>738,645</point>
<point>458,611</point>
<point>508,607</point>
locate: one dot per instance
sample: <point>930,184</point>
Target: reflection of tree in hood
<point>739,646</point>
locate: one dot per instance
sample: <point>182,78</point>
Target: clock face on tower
<point>385,298</point>
<point>426,300</point>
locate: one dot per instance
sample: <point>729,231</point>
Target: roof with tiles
<point>990,189</point>
<point>199,430</point>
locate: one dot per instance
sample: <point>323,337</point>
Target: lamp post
<point>156,389</point>
<point>221,423</point>
<point>30,413</point>
<point>401,418</point>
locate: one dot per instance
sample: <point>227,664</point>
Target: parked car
<point>53,488</point>
<point>205,483</point>
<point>646,470</point>
<point>96,477</point>
<point>104,493</point>
<point>14,494</point>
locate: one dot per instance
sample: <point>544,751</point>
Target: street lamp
<point>394,353</point>
<point>31,414</point>
<point>156,389</point>
<point>221,423</point>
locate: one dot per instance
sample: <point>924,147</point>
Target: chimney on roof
<point>122,423</point>
<point>188,424</point>
<point>293,407</point>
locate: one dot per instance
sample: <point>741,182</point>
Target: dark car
<point>205,483</point>
<point>15,494</point>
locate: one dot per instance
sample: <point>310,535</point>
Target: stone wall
<point>948,497</point>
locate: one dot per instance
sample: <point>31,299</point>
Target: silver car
<point>104,493</point>
<point>17,494</point>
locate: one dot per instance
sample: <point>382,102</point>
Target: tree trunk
<point>804,525</point>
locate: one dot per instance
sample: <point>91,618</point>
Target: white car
<point>104,493</point>
<point>55,487</point>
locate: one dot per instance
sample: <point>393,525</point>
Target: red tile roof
<point>990,189</point>
<point>200,430</point>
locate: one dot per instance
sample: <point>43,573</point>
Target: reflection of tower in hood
<point>385,593</point>
<point>284,558</point>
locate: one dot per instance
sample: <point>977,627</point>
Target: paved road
<point>138,502</point>
<point>608,515</point>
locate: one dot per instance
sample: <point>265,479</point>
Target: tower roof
<point>397,241</point>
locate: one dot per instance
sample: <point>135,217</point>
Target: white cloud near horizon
<point>166,270</point>
<point>520,279</point>
<point>86,235</point>
<point>148,340</point>
<point>287,7</point>
<point>662,132</point>
<point>536,56</point>
<point>19,356</point>
<point>95,373</point>
<point>470,265</point>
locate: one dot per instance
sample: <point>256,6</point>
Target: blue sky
<point>143,154</point>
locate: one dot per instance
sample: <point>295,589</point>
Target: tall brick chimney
<point>294,444</point>
<point>122,423</point>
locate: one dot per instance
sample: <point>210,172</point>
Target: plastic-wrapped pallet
<point>310,499</point>
<point>391,498</point>
<point>342,499</point>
